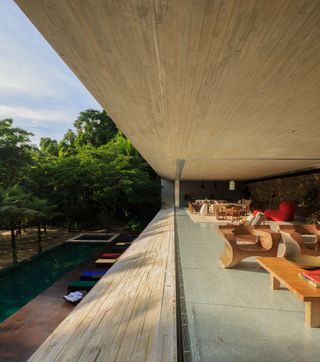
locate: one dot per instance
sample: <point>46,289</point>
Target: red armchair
<point>285,212</point>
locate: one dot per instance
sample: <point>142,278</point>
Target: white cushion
<point>258,219</point>
<point>204,210</point>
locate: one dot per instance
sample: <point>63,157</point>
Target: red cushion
<point>110,255</point>
<point>285,212</point>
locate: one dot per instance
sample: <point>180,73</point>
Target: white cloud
<point>49,115</point>
<point>37,89</point>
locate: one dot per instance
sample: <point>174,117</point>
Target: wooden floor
<point>23,332</point>
<point>130,313</point>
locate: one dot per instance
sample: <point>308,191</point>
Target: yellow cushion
<point>105,261</point>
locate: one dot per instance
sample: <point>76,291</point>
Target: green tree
<point>122,182</point>
<point>67,147</point>
<point>15,153</point>
<point>139,184</point>
<point>94,128</point>
<point>49,146</point>
<point>15,209</point>
<point>68,184</point>
<point>93,175</point>
<point>43,212</point>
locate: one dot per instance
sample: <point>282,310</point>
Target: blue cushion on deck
<point>92,275</point>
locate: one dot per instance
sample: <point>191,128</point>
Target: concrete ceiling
<point>231,87</point>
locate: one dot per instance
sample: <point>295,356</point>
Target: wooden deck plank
<point>130,313</point>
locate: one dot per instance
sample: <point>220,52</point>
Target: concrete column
<point>167,193</point>
<point>177,193</point>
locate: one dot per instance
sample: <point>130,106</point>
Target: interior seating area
<point>244,241</point>
<point>221,209</point>
<point>256,233</point>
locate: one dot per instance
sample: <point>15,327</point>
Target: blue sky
<point>37,89</point>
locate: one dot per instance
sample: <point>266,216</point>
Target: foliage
<point>49,146</point>
<point>16,209</point>
<point>15,153</point>
<point>94,128</point>
<point>91,177</point>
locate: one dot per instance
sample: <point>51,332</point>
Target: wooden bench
<point>285,272</point>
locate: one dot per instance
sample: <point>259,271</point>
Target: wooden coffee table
<point>285,272</point>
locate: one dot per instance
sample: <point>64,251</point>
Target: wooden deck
<point>130,314</point>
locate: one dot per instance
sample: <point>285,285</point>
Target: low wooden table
<point>285,272</point>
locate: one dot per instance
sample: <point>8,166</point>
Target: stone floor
<point>233,315</point>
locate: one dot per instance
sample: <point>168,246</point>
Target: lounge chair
<point>244,241</point>
<point>120,247</point>
<point>81,285</point>
<point>105,262</point>
<point>92,275</point>
<point>110,255</point>
<point>300,240</point>
<point>123,243</point>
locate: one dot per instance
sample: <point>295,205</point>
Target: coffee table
<point>285,272</point>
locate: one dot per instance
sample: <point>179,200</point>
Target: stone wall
<point>294,188</point>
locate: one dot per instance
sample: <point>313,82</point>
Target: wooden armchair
<point>244,241</point>
<point>300,240</point>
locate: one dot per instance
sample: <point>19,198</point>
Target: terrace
<point>208,92</point>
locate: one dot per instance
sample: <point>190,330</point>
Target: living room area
<point>300,192</point>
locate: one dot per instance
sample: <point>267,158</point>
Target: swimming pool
<point>22,283</point>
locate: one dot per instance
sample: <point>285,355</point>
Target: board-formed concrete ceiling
<point>231,87</point>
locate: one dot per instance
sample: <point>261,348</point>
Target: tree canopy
<point>15,153</point>
<point>91,177</point>
<point>94,128</point>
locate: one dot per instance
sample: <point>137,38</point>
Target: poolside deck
<point>233,315</point>
<point>130,313</point>
<point>23,332</point>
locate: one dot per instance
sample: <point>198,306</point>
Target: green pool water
<point>24,282</point>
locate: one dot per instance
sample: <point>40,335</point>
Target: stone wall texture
<point>294,188</point>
